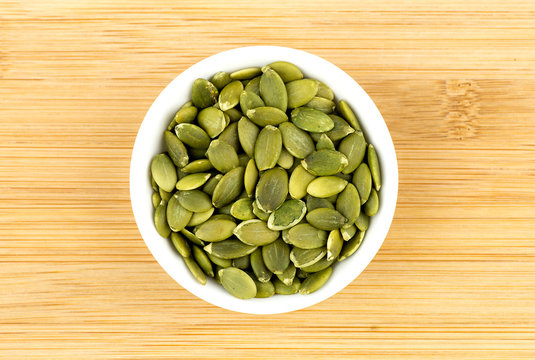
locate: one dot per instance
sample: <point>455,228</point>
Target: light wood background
<point>455,82</point>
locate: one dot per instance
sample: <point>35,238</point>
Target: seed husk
<point>222,156</point>
<point>261,214</point>
<point>371,206</point>
<point>264,289</point>
<point>199,217</point>
<point>181,244</point>
<point>195,270</point>
<point>229,249</point>
<point>348,232</point>
<point>176,149</point>
<point>220,79</point>
<point>241,262</point>
<point>296,141</point>
<point>375,170</point>
<point>287,71</point>
<point>230,136</point>
<point>276,256</point>
<point>320,265</point>
<point>253,85</point>
<point>309,119</point>
<point>215,230</point>
<point>192,135</point>
<point>315,281</point>
<point>314,203</point>
<point>210,185</point>
<point>260,270</point>
<point>203,261</point>
<point>288,275</point>
<point>334,244</point>
<point>300,92</point>
<point>250,177</point>
<point>348,114</point>
<point>255,232</point>
<point>325,186</point>
<point>325,162</point>
<point>249,100</point>
<point>325,92</point>
<point>191,237</point>
<point>286,160</point>
<point>156,198</point>
<point>247,134</point>
<point>348,203</point>
<point>306,257</point>
<point>230,95</point>
<point>196,166</point>
<point>299,180</point>
<point>245,74</point>
<point>326,219</point>
<point>272,189</point>
<point>237,283</point>
<point>267,148</point>
<point>194,200</point>
<point>203,93</point>
<point>224,263</point>
<point>242,209</point>
<point>283,289</point>
<point>354,148</point>
<point>160,220</point>
<point>290,213</point>
<point>177,216</point>
<point>324,143</point>
<point>184,115</point>
<point>267,115</point>
<point>351,246</point>
<point>192,181</point>
<point>306,236</point>
<point>228,188</point>
<point>272,89</point>
<point>164,172</point>
<point>340,130</point>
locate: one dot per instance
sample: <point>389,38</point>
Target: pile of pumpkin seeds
<point>266,181</point>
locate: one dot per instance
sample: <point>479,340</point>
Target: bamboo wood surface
<point>455,82</point>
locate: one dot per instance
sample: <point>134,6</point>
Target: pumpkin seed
<point>267,148</point>
<point>326,219</point>
<point>319,266</point>
<point>267,115</point>
<point>203,93</point>
<point>237,283</point>
<point>283,289</point>
<point>302,274</point>
<point>192,181</point>
<point>287,71</point>
<point>242,209</point>
<point>340,130</point>
<point>164,195</point>
<point>296,141</point>
<point>194,200</point>
<point>210,185</point>
<point>325,92</point>
<point>334,244</point>
<point>245,74</point>
<point>247,134</point>
<point>290,213</point>
<point>250,178</point>
<point>372,205</point>
<point>348,203</point>
<point>230,95</point>
<point>176,149</point>
<point>299,180</point>
<point>192,135</point>
<point>229,249</point>
<point>314,203</point>
<point>222,156</point>
<point>288,275</point>
<point>224,263</point>
<point>301,92</point>
<point>272,89</point>
<point>156,199</point>
<point>249,100</point>
<point>260,270</point>
<point>199,217</point>
<point>215,230</point>
<point>272,189</point>
<point>354,148</point>
<point>325,162</point>
<point>309,119</point>
<point>184,115</point>
<point>306,236</point>
<point>203,261</point>
<point>253,86</point>
<point>348,232</point>
<point>241,262</point>
<point>324,143</point>
<point>191,237</point>
<point>160,220</point>
<point>234,114</point>
<point>348,114</point>
<point>243,160</point>
<point>180,244</point>
<point>351,246</point>
<point>362,222</point>
<point>375,170</point>
<point>306,257</point>
<point>177,216</point>
<point>212,121</point>
<point>228,188</point>
<point>153,184</point>
<point>315,281</point>
<point>264,289</point>
<point>276,256</point>
<point>164,172</point>
<point>195,270</point>
<point>326,186</point>
<point>220,79</point>
<point>261,214</point>
<point>196,166</point>
<point>286,160</point>
<point>255,232</point>
<point>321,104</point>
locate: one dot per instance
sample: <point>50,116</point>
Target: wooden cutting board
<point>455,82</point>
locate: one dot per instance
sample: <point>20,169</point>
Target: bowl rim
<point>361,104</point>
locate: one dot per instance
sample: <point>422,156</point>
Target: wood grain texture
<point>455,82</point>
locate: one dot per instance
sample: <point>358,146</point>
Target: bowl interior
<point>149,142</point>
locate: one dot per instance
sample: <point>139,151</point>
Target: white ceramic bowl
<point>149,142</point>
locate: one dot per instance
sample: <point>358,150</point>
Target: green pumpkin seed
<point>192,135</point>
<point>326,186</point>
<point>184,115</point>
<point>229,249</point>
<point>222,156</point>
<point>253,86</point>
<point>288,275</point>
<point>223,216</point>
<point>324,143</point>
<point>237,283</point>
<point>215,230</point>
<point>245,74</point>
<point>362,222</point>
<point>247,134</point>
<point>302,274</point>
<point>160,220</point>
<point>290,213</point>
<point>340,130</point>
<point>325,92</point>
<point>286,160</point>
<point>351,246</point>
<point>315,281</point>
<point>234,114</point>
<point>299,180</point>
<point>372,205</point>
<point>249,100</point>
<point>348,232</point>
<point>375,169</point>
<point>156,198</point>
<point>272,189</point>
<point>301,92</point>
<point>346,177</point>
<point>241,262</point>
<point>163,172</point>
<point>230,95</point>
<point>153,184</point>
<point>212,121</point>
<point>348,203</point>
<point>305,236</point>
<point>325,162</point>
<point>264,289</point>
<point>261,214</point>
<point>196,166</point>
<point>354,148</point>
<point>176,149</point>
<point>260,270</point>
<point>243,160</point>
<point>306,257</point>
<point>164,195</point>
<point>287,71</point>
<point>224,263</point>
<point>250,178</point>
<point>283,289</point>
<point>309,119</point>
<point>177,216</point>
<point>334,244</point>
<point>193,181</point>
<point>319,266</point>
<point>203,93</point>
<point>194,200</point>
<point>272,89</point>
<point>203,261</point>
<point>267,148</point>
<point>348,114</point>
<point>210,185</point>
<point>181,244</point>
<point>255,232</point>
<point>276,256</point>
<point>196,154</point>
<point>191,237</point>
<point>321,104</point>
<point>267,115</point>
<point>326,219</point>
<point>284,236</point>
<point>199,217</point>
<point>242,209</point>
<point>195,270</point>
<point>296,141</point>
<point>315,203</point>
<point>332,198</point>
<point>220,79</point>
